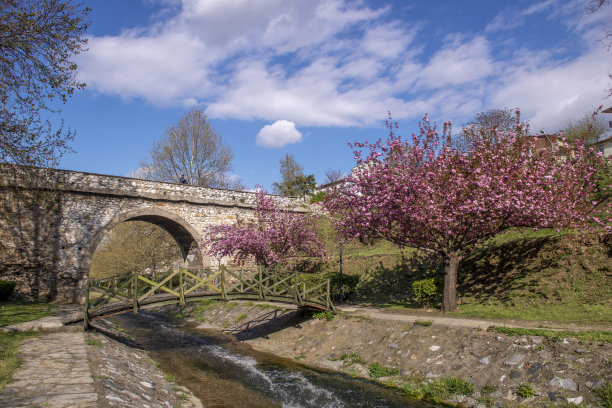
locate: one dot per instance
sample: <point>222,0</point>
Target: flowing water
<point>224,372</point>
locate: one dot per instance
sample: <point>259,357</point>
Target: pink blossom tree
<point>276,236</point>
<point>426,194</point>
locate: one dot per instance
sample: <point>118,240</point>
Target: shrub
<point>327,315</point>
<point>377,370</point>
<point>6,289</point>
<point>525,390</point>
<point>426,290</point>
<point>349,283</point>
<point>318,196</point>
<point>458,386</point>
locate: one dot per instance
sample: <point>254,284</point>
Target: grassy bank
<point>13,313</point>
<point>533,275</point>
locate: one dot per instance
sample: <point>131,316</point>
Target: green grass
<point>556,335</point>
<point>241,317</point>
<point>170,378</point>
<point>18,312</point>
<point>424,323</point>
<point>327,315</point>
<point>93,341</point>
<point>520,274</point>
<point>352,358</point>
<point>9,362</point>
<point>436,390</point>
<point>200,308</point>
<point>563,311</point>
<point>14,313</point>
<point>525,390</point>
<point>605,393</point>
<point>378,370</point>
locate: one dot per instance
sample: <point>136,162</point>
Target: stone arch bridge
<point>53,225</point>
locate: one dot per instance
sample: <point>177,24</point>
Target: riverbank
<point>413,353</point>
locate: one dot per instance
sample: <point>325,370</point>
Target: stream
<point>225,373</point>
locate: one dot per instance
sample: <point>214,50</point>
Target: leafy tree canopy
<point>293,180</point>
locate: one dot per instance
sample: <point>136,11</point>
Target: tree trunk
<point>449,296</point>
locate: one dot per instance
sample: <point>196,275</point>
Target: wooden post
<point>295,288</point>
<point>259,284</point>
<point>241,280</point>
<point>181,288</point>
<point>223,294</point>
<point>135,293</point>
<point>341,295</point>
<point>327,301</point>
<point>86,309</point>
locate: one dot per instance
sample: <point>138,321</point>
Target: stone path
<point>54,373</point>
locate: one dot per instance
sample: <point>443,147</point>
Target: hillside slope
<point>538,276</point>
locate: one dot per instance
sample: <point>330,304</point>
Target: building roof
<point>543,141</point>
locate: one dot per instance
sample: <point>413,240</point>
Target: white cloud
<point>164,69</point>
<point>549,94</point>
<point>278,134</point>
<point>514,17</point>
<point>458,63</point>
<point>341,63</point>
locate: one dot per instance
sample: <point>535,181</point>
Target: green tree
<point>38,41</point>
<point>293,180</point>
<point>191,151</point>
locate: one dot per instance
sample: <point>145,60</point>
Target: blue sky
<point>309,76</point>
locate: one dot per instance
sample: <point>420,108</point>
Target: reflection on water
<point>223,372</point>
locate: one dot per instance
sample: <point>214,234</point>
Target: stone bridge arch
<point>185,235</point>
<point>53,240</point>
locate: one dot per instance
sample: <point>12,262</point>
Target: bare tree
<point>134,247</point>
<point>487,125</point>
<point>190,151</point>
<point>495,119</point>
<point>594,5</point>
<point>38,41</point>
<point>589,127</point>
<point>332,175</point>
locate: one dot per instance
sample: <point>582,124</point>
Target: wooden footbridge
<point>131,292</point>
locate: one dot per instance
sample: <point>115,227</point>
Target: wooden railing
<point>106,296</point>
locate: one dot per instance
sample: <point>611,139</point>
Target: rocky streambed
<point>420,358</point>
